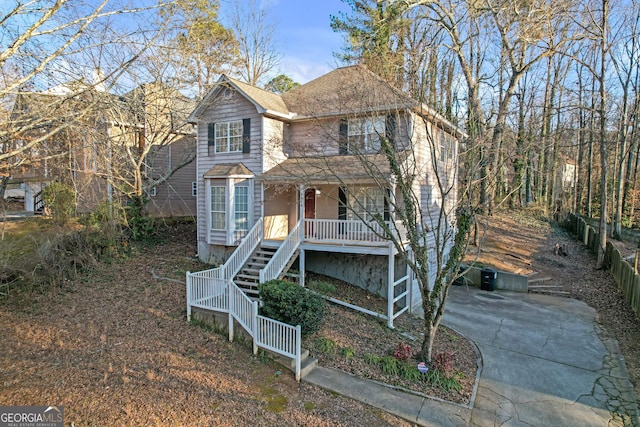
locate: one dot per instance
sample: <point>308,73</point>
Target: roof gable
<point>265,102</point>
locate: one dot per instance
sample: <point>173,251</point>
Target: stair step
<point>540,279</point>
<point>251,270</point>
<point>255,265</point>
<point>247,287</point>
<point>307,363</point>
<point>265,251</point>
<point>545,286</point>
<point>247,276</point>
<point>307,366</point>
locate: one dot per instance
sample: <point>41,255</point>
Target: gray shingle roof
<point>330,169</point>
<point>268,100</point>
<point>346,90</point>
<point>228,169</point>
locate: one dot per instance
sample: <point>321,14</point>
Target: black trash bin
<point>488,278</point>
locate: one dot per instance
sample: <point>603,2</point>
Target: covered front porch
<point>345,224</point>
<point>330,214</point>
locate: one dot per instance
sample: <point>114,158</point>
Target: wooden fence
<point>625,275</point>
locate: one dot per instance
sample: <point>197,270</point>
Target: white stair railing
<point>204,285</point>
<point>284,253</point>
<point>214,289</point>
<point>225,296</point>
<point>244,250</point>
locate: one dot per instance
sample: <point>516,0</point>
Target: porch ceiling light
<point>318,192</point>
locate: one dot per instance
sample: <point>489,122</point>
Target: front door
<point>309,209</point>
<point>310,203</point>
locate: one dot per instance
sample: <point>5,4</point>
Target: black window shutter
<point>343,136</point>
<point>387,198</point>
<point>211,138</point>
<point>342,203</point>
<point>246,135</point>
<point>390,128</point>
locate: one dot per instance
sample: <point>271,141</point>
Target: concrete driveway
<point>546,361</point>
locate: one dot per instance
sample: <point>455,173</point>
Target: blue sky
<point>304,36</point>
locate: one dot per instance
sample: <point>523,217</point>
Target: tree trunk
<point>603,137</point>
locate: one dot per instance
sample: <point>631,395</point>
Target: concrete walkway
<point>546,362</point>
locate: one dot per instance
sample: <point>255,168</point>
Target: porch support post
<point>301,204</point>
<point>390,287</point>
<point>392,213</point>
<point>410,283</point>
<point>262,200</point>
<point>302,266</point>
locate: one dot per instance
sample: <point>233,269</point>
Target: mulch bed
<point>365,334</point>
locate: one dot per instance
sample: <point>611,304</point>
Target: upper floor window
<point>229,137</point>
<point>447,146</point>
<point>365,133</point>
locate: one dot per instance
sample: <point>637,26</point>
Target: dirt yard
<point>115,349</point>
<point>520,243</point>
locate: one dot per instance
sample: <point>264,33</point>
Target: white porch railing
<point>224,296</point>
<point>350,231</point>
<point>284,253</point>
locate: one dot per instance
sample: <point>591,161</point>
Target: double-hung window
<point>241,208</point>
<point>218,211</point>
<point>365,203</point>
<point>228,136</point>
<point>365,133</point>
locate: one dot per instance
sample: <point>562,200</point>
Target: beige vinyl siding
<point>327,202</point>
<point>273,142</point>
<point>312,138</point>
<point>280,211</point>
<point>223,109</point>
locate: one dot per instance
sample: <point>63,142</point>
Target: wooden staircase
<point>248,278</point>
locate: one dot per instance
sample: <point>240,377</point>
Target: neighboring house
<point>163,144</point>
<point>139,137</point>
<point>300,174</point>
<point>59,147</point>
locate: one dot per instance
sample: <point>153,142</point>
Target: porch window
<point>365,133</point>
<point>241,202</point>
<point>228,136</point>
<point>218,218</point>
<point>365,203</point>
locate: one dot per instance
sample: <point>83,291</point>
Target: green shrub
<point>348,352</point>
<point>326,345</point>
<point>292,304</point>
<point>60,199</point>
<point>141,226</point>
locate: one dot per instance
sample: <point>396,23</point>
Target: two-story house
<point>105,145</point>
<point>303,174</point>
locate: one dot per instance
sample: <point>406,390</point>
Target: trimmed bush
<point>292,304</point>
